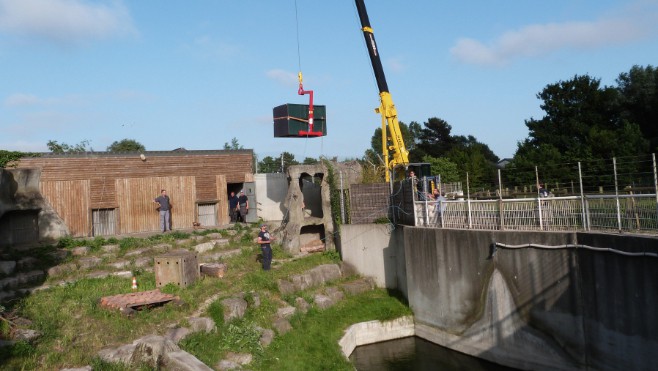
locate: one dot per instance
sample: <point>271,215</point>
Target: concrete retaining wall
<point>375,251</point>
<point>374,332</point>
<point>533,308</point>
<point>528,308</point>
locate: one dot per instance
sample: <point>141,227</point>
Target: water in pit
<point>415,354</point>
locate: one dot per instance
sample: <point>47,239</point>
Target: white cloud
<point>64,22</point>
<point>23,99</point>
<point>220,49</point>
<point>543,39</point>
<point>20,99</point>
<point>284,77</point>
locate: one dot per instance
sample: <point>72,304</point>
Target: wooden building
<point>100,194</point>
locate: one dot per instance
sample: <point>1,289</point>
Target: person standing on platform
<point>165,211</point>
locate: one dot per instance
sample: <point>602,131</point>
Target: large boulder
<point>181,360</point>
<point>151,350</point>
<point>234,308</point>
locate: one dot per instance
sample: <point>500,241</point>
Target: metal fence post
<point>541,219</point>
<point>655,181</point>
<point>614,168</point>
<point>500,202</point>
<point>342,199</point>
<point>582,198</point>
<point>468,202</point>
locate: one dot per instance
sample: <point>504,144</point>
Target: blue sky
<point>195,74</point>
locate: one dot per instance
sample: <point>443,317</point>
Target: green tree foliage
<point>583,122</point>
<point>435,139</point>
<point>444,167</point>
<point>234,145</point>
<point>639,101</point>
<point>270,164</point>
<point>81,147</point>
<point>126,145</point>
<point>376,141</point>
<point>310,161</point>
<point>9,158</point>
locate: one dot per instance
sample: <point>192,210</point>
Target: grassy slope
<point>75,327</point>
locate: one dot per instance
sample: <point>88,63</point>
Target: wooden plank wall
<point>78,183</point>
<point>103,193</point>
<point>138,212</point>
<point>222,204</point>
<point>206,188</point>
<point>70,200</point>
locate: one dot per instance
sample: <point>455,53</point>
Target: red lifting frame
<point>310,132</point>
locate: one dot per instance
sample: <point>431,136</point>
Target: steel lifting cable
<point>299,64</point>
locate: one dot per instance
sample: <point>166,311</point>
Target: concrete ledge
<point>374,332</point>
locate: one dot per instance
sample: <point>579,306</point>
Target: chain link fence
<point>619,194</point>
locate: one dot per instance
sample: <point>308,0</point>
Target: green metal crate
<point>290,119</point>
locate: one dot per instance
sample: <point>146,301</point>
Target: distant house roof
<point>502,163</point>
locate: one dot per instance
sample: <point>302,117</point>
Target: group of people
<point>238,207</point>
<point>238,210</point>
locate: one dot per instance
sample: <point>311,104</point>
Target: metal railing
<point>636,213</point>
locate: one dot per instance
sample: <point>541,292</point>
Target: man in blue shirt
<point>165,211</point>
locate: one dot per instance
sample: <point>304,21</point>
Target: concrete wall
<point>19,192</point>
<point>271,191</point>
<point>376,251</point>
<point>535,308</point>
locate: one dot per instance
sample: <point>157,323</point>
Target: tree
<point>435,139</point>
<point>9,158</point>
<point>270,164</point>
<point>376,141</point>
<point>288,160</point>
<point>444,167</point>
<point>583,121</point>
<point>639,101</point>
<point>126,145</point>
<point>310,161</point>
<point>235,145</point>
<point>81,147</point>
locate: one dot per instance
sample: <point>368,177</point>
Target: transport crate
<point>178,267</point>
<point>290,119</point>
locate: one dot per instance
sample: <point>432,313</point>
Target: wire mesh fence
<point>618,194</point>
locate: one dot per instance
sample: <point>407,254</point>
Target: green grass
<point>75,327</point>
<point>313,342</point>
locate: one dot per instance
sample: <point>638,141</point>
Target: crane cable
<point>299,54</point>
<point>299,67</point>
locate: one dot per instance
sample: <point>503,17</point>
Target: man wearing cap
<point>243,204</point>
<point>264,240</point>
